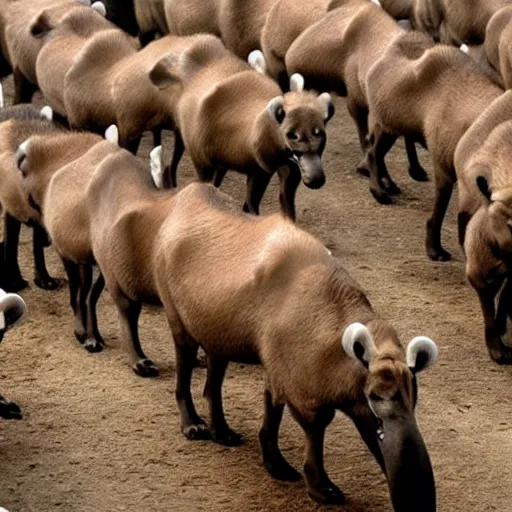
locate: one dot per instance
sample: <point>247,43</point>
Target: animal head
<point>391,393</point>
<point>302,117</point>
<point>12,310</point>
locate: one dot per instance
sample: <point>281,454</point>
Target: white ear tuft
<point>376,2</point>
<point>422,352</point>
<point>12,304</point>
<point>21,154</point>
<point>296,82</point>
<point>325,102</point>
<point>100,8</point>
<point>275,109</point>
<point>464,48</point>
<point>1,96</point>
<point>257,61</point>
<point>358,343</point>
<point>155,164</point>
<point>112,134</point>
<point>47,113</point>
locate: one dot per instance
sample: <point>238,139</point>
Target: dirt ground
<point>95,437</point>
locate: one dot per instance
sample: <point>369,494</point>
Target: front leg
<point>320,487</point>
<point>13,282</point>
<point>257,183</point>
<point>273,459</point>
<point>289,180</point>
<point>42,278</point>
<point>416,171</point>
<point>219,429</point>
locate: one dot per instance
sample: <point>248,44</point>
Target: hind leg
<point>171,171</point>
<point>219,429</point>
<point>42,279</point>
<point>289,180</point>
<point>73,275</point>
<point>91,344</point>
<point>23,88</point>
<point>256,186</point>
<point>360,116</point>
<point>416,171</point>
<point>92,320</point>
<point>13,282</point>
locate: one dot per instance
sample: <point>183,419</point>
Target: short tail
<point>155,164</point>
<point>112,134</point>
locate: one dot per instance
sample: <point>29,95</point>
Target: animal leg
<point>320,487</point>
<point>256,186</point>
<point>42,278</point>
<point>92,320</point>
<point>444,187</point>
<point>416,171</point>
<point>90,342</point>
<point>220,174</point>
<point>289,179</point>
<point>463,219</point>
<point>13,281</point>
<point>73,273</point>
<point>192,425</point>
<point>219,429</point>
<point>129,312</point>
<point>360,116</point>
<point>157,137</point>
<point>273,459</point>
<point>9,410</point>
<point>23,88</point>
<point>170,172</point>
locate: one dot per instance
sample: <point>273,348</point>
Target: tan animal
<point>22,47</point>
<point>12,310</point>
<point>497,45</point>
<point>415,89</point>
<point>337,53</point>
<point>286,20</point>
<point>16,124</point>
<point>232,117</point>
<point>485,219</point>
<point>5,61</point>
<point>65,39</point>
<point>398,9</point>
<point>150,16</point>
<point>55,170</point>
<point>277,298</point>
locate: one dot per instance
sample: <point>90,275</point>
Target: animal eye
<point>293,135</point>
<point>317,132</point>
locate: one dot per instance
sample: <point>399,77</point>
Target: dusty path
<point>97,438</point>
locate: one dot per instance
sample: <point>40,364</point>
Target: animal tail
<point>112,134</point>
<point>155,164</point>
<point>47,113</point>
<point>257,61</point>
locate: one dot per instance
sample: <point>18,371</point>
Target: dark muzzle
<point>311,169</point>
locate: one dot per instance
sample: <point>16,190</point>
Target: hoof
<point>501,355</point>
<point>47,283</point>
<point>226,437</point>
<point>331,495</point>
<point>10,410</point>
<point>81,337</point>
<point>439,254</point>
<point>92,345</point>
<point>363,170</point>
<point>381,196</point>
<point>282,471</point>
<point>14,285</point>
<point>196,432</point>
<point>418,174</point>
<point>146,368</point>
<point>390,187</point>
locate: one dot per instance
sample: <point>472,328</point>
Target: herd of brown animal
<point>234,81</point>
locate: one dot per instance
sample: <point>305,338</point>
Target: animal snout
<point>312,170</point>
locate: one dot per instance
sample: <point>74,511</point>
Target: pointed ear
<point>162,74</point>
<point>327,106</point>
<point>358,343</point>
<point>296,82</point>
<point>12,309</point>
<point>483,186</point>
<point>422,352</point>
<point>275,109</point>
<point>100,8</point>
<point>21,156</point>
<point>41,26</point>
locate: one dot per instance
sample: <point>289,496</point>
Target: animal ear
<point>275,109</point>
<point>41,26</point>
<point>162,75</point>
<point>422,352</point>
<point>296,82</point>
<point>483,186</point>
<point>155,164</point>
<point>112,134</point>
<point>100,8</point>
<point>12,309</point>
<point>47,113</point>
<point>257,61</point>
<point>327,106</point>
<point>21,156</point>
<point>358,343</point>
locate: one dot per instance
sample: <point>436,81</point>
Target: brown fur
<point>286,20</point>
<point>420,94</point>
<point>150,15</point>
<point>398,9</point>
<point>225,123</point>
<point>498,38</point>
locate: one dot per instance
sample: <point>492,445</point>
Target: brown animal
<point>55,171</point>
<point>232,117</point>
<point>398,9</point>
<point>286,20</point>
<point>485,219</point>
<point>22,47</point>
<point>5,63</point>
<point>497,45</point>
<point>415,89</point>
<point>276,298</point>
<point>64,39</point>
<point>16,124</point>
<point>337,53</point>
